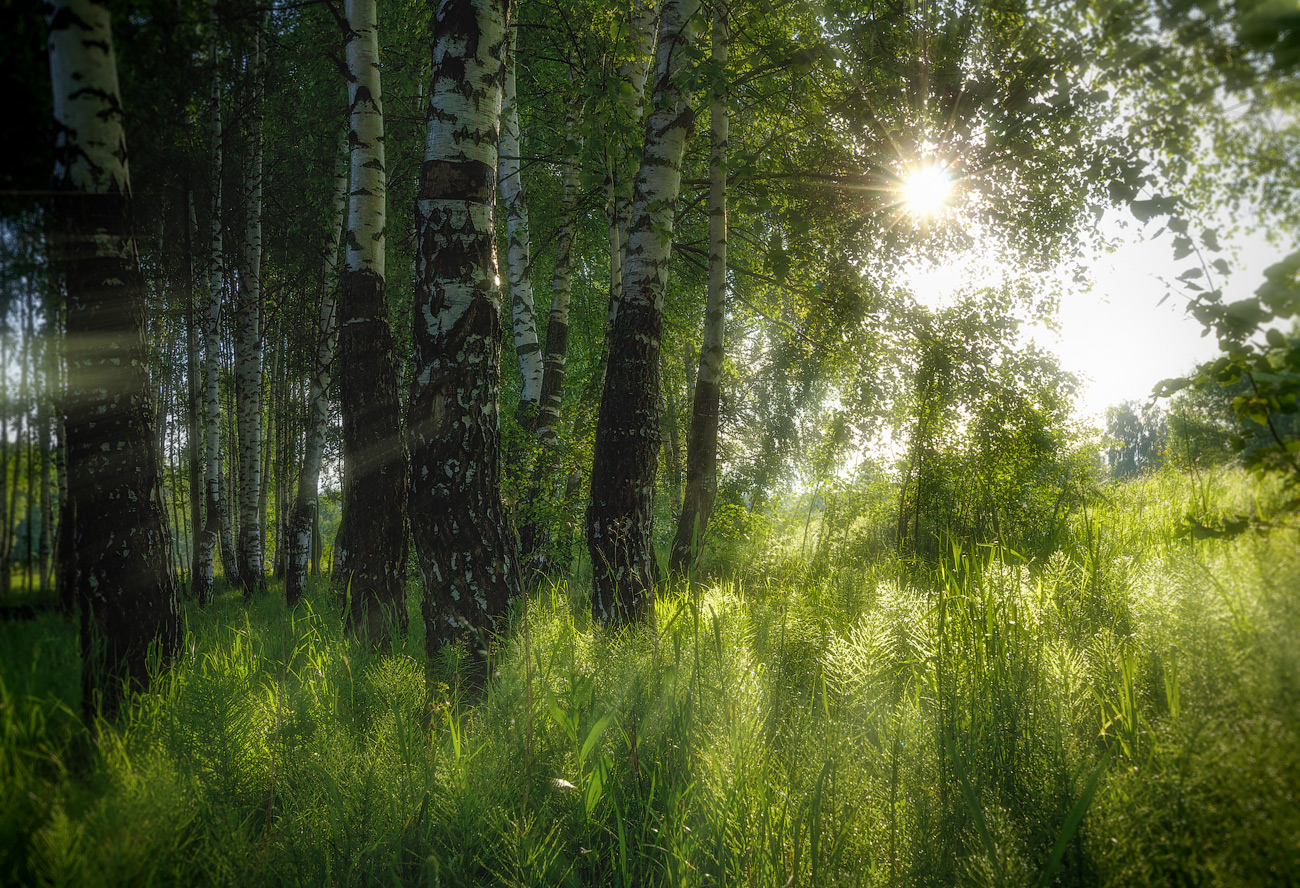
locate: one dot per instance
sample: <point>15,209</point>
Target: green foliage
<point>1138,438</point>
<point>1124,713</point>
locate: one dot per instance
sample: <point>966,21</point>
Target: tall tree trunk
<point>557,325</point>
<point>373,575</point>
<point>194,393</point>
<point>702,439</point>
<point>306,504</point>
<point>620,519</point>
<point>634,71</point>
<point>519,261</point>
<point>248,344</point>
<point>464,540</point>
<point>122,581</point>
<point>215,527</point>
<point>46,394</point>
<point>673,439</point>
<point>7,518</point>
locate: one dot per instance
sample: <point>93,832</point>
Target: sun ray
<point>925,190</point>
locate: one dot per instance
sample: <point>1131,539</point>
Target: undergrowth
<point>1124,712</point>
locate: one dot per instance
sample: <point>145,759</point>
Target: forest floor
<point>1126,712</point>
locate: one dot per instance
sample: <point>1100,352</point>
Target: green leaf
<point>593,736</point>
<point>1182,246</point>
<point>1210,238</point>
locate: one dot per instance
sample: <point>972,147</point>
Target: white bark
<point>367,206</point>
<point>248,345</point>
<point>711,351</point>
<point>214,278</point>
<point>634,71</point>
<point>518,252</point>
<point>464,540</point>
<point>90,147</point>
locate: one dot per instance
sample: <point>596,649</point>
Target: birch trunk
<point>634,71</point>
<point>673,444</point>
<point>557,325</point>
<point>248,346</point>
<point>122,581</point>
<point>620,519</point>
<point>464,540</point>
<point>702,439</point>
<point>214,528</point>
<point>306,503</point>
<point>194,392</point>
<point>519,262</point>
<point>372,575</point>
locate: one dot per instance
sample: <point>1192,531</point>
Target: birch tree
<point>620,518</point>
<point>519,263</point>
<point>306,503</point>
<point>557,322</point>
<point>248,343</point>
<point>215,527</point>
<point>464,541</point>
<point>702,438</point>
<point>372,570</point>
<point>633,71</point>
<point>121,580</point>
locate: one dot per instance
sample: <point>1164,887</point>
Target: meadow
<point>1125,712</point>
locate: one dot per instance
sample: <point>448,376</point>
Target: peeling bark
<point>464,540</point>
<point>620,519</point>
<point>122,578</point>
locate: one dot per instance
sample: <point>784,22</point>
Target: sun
<point>925,190</point>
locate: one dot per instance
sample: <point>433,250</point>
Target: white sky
<point>1117,335</point>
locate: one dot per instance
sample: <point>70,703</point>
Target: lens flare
<point>925,190</point>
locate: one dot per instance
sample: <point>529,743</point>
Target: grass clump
<point>1124,712</point>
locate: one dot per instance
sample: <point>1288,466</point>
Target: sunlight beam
<point>925,190</point>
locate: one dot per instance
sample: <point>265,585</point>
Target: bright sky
<point>1118,336</point>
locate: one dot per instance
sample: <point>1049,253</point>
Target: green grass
<point>1125,713</point>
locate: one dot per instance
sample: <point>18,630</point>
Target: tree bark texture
<point>306,503</point>
<point>248,345</point>
<point>373,574</point>
<point>193,392</point>
<point>464,540</point>
<point>620,518</point>
<point>634,71</point>
<point>519,263</point>
<point>122,579</point>
<point>214,510</point>
<point>557,322</point>
<point>702,438</point>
